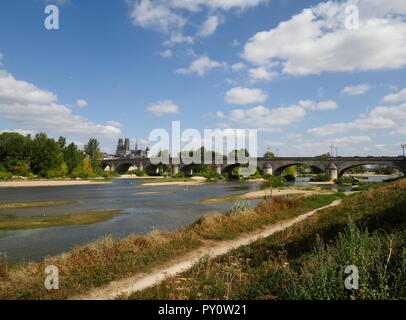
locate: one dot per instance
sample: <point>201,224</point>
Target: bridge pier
<point>332,171</point>
<point>268,169</point>
<point>218,169</point>
<point>175,169</point>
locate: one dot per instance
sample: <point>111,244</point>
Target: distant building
<point>124,151</point>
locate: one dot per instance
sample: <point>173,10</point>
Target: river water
<point>145,212</point>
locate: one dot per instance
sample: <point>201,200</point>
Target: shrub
<point>346,181</point>
<point>138,173</point>
<point>5,175</point>
<point>321,178</point>
<point>240,207</point>
<point>272,181</point>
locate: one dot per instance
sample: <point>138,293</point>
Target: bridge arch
<point>123,168</point>
<point>345,168</point>
<point>279,169</point>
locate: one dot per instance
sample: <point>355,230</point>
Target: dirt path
<point>211,249</point>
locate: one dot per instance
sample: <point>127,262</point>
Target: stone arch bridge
<point>334,167</point>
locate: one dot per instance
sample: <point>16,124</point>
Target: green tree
<point>269,155</point>
<point>92,150</point>
<point>73,157</point>
<point>62,142</point>
<point>46,155</point>
<point>14,146</point>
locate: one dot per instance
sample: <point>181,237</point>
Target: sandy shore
<point>262,193</point>
<point>131,176</point>
<point>48,183</point>
<point>196,181</point>
<point>322,183</point>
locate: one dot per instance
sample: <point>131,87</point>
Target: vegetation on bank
<point>43,157</point>
<point>106,260</point>
<point>18,205</point>
<point>308,260</point>
<point>11,222</point>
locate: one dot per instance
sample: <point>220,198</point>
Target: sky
<point>307,74</point>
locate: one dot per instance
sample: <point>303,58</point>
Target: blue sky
<point>292,69</point>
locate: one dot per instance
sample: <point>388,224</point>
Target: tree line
<point>41,156</point>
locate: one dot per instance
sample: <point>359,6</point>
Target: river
<point>145,212</point>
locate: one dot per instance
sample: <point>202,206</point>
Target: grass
<point>18,205</point>
<point>307,261</point>
<point>106,260</point>
<point>11,222</point>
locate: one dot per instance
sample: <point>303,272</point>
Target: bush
<point>19,168</point>
<point>179,175</point>
<point>240,207</point>
<point>272,181</point>
<point>5,175</point>
<point>138,173</point>
<point>321,178</point>
<point>346,181</point>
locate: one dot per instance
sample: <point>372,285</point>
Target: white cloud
<point>17,91</point>
<point>157,16</point>
<point>324,105</point>
<point>316,40</point>
<point>34,109</point>
<point>209,26</point>
<point>166,53</point>
<point>170,16</point>
<point>81,103</point>
<point>397,113</point>
<point>238,66</point>
<point>114,123</point>
<point>350,140</point>
<point>163,107</point>
<point>359,124</point>
<point>261,74</point>
<point>245,96</point>
<point>264,118</point>
<point>395,97</point>
<point>356,90</point>
<point>201,66</point>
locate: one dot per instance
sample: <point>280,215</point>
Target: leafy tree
<point>324,155</point>
<point>73,157</point>
<point>62,142</point>
<point>269,155</point>
<point>15,146</point>
<point>46,154</point>
<point>92,150</point>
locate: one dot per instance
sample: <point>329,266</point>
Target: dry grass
<point>307,260</point>
<point>105,260</point>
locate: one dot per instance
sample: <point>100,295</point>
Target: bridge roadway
<point>334,166</point>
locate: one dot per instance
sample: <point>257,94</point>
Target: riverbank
<point>194,181</point>
<point>10,222</point>
<point>49,183</point>
<point>106,260</point>
<point>260,194</point>
<point>308,260</point>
